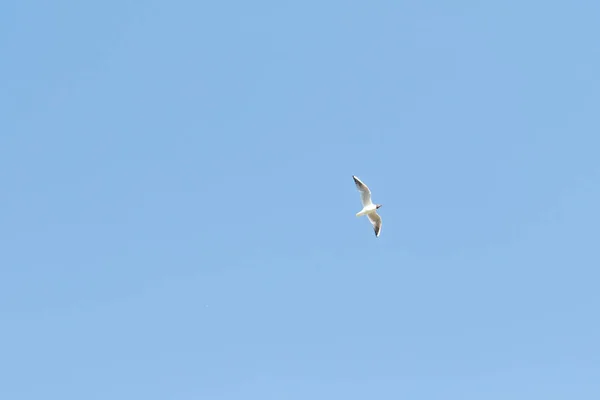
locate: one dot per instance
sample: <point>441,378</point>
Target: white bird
<point>369,209</point>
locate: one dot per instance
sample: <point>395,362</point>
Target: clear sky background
<point>177,218</point>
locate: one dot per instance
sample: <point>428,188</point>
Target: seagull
<point>369,209</point>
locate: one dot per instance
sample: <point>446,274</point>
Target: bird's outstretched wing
<point>376,221</point>
<point>365,193</point>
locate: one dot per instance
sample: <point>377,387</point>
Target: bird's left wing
<point>376,221</point>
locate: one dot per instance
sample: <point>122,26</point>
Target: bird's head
<point>378,205</point>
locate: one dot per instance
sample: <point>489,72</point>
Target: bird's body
<point>369,209</point>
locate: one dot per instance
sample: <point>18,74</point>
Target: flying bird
<point>369,209</point>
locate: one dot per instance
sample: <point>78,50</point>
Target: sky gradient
<point>178,211</point>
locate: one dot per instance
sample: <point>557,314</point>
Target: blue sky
<point>178,213</point>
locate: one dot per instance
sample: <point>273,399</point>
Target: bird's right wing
<point>365,193</point>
